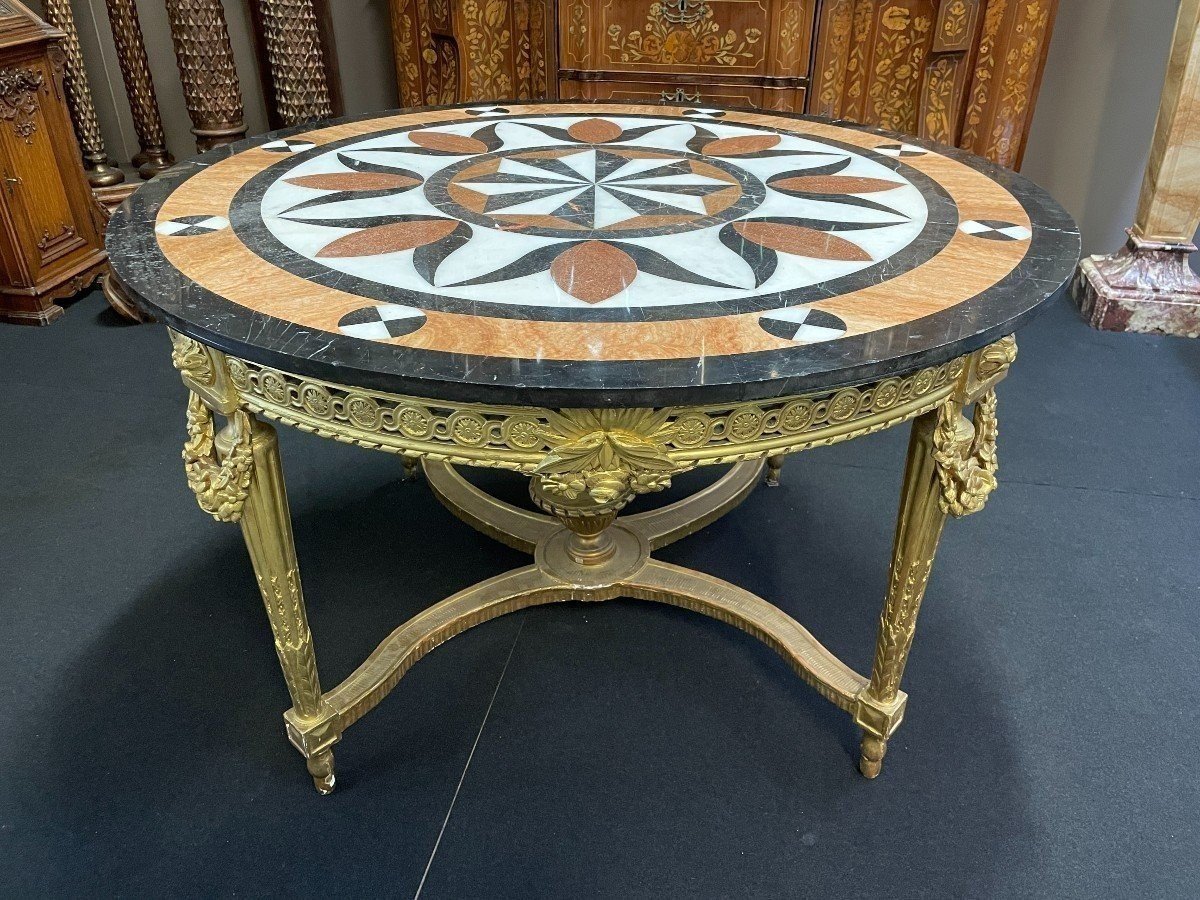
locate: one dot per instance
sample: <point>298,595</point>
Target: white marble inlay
<point>609,203</point>
<point>192,225</point>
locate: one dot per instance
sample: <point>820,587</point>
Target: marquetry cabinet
<point>733,52</point>
<point>964,72</point>
<point>50,227</point>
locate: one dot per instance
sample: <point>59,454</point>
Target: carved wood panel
<point>718,36</point>
<point>736,52</point>
<point>40,207</point>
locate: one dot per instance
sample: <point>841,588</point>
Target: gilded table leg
<point>918,530</point>
<point>951,471</point>
<point>267,528</point>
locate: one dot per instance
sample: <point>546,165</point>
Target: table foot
<point>320,767</point>
<point>412,467</point>
<point>873,750</point>
<point>774,470</point>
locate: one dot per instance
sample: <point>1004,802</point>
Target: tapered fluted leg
<point>267,528</point>
<point>917,533</point>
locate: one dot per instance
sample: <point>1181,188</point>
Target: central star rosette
<point>554,213</point>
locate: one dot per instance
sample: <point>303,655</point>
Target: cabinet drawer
<point>786,99</point>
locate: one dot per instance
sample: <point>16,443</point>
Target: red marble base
<point>1144,286</point>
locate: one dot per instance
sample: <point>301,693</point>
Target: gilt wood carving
<point>965,72</point>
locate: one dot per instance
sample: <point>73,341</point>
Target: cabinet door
<point>713,36</point>
<point>34,193</point>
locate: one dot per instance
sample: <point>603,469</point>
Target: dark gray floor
<point>614,750</point>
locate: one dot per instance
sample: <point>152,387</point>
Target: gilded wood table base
<point>585,467</point>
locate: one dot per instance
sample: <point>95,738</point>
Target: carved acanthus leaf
<point>192,360</point>
<point>996,358</point>
<point>610,453</point>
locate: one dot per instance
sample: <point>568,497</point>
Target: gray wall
<point>1091,133</point>
<point>1088,146</point>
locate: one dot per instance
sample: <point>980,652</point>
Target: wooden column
<point>1148,285</point>
<point>297,59</point>
<point>210,81</point>
<point>100,171</point>
<point>139,88</point>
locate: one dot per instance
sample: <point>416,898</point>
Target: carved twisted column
<point>139,88</point>
<point>1148,285</point>
<point>211,88</point>
<point>100,171</point>
<point>297,60</point>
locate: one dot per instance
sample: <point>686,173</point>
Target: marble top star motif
<point>592,254</point>
<point>556,212</point>
<point>596,189</point>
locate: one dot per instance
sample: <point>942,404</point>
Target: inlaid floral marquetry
<point>569,248</point>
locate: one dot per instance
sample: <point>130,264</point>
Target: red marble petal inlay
<point>595,131</point>
<point>447,143</point>
<point>836,184</point>
<point>354,181</point>
<point>593,271</point>
<point>389,238</point>
<point>740,146</point>
<point>799,241</point>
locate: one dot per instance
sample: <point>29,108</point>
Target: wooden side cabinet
<point>51,228</point>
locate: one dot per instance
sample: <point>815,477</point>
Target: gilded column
<point>100,171</point>
<point>139,88</point>
<point>918,530</point>
<point>210,81</point>
<point>1148,285</point>
<point>951,471</point>
<point>297,60</point>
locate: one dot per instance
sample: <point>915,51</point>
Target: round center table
<point>599,297</point>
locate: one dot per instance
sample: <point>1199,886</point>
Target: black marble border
<point>157,287</point>
<point>939,228</point>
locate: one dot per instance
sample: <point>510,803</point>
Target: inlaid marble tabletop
<point>592,255</point>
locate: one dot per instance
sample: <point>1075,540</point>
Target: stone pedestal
<point>1145,286</point>
<point>1148,285</point>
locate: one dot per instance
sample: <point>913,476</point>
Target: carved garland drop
<point>966,465</point>
<point>220,485</point>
